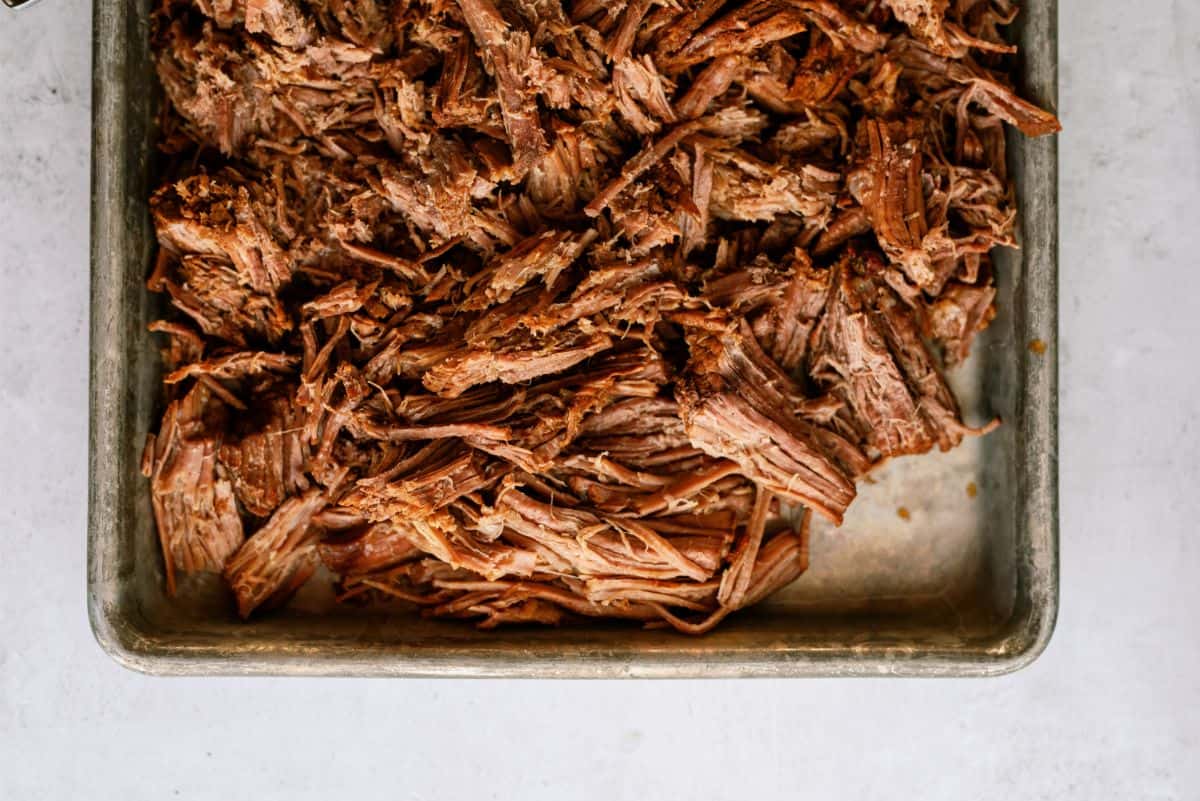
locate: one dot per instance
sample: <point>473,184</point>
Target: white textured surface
<point>1111,711</point>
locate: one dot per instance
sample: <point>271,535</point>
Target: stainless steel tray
<point>963,587</point>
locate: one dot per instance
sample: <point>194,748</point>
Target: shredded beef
<point>523,312</point>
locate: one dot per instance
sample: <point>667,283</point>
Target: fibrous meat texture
<point>537,311</point>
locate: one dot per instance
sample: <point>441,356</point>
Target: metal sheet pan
<point>963,587</point>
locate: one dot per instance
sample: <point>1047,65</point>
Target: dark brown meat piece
<point>277,558</point>
<point>851,359</point>
<point>888,185</point>
<point>282,20</point>
<point>641,95</point>
<point>266,463</point>
<point>980,87</point>
<point>212,217</point>
<point>741,407</point>
<point>591,545</point>
<point>745,188</point>
<point>437,475</point>
<point>784,327</point>
<point>235,366</point>
<point>372,547</point>
<point>506,54</point>
<point>868,352</point>
<point>193,502</point>
<point>927,20</point>
<point>958,314</point>
<point>513,363</point>
<point>542,256</point>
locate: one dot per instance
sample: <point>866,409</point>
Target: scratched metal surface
<point>962,586</point>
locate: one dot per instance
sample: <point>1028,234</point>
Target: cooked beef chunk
<point>266,463</point>
<point>368,549</point>
<point>526,312</point>
<point>194,506</point>
<point>279,557</point>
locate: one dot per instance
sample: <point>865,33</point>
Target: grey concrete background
<point>1111,711</point>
